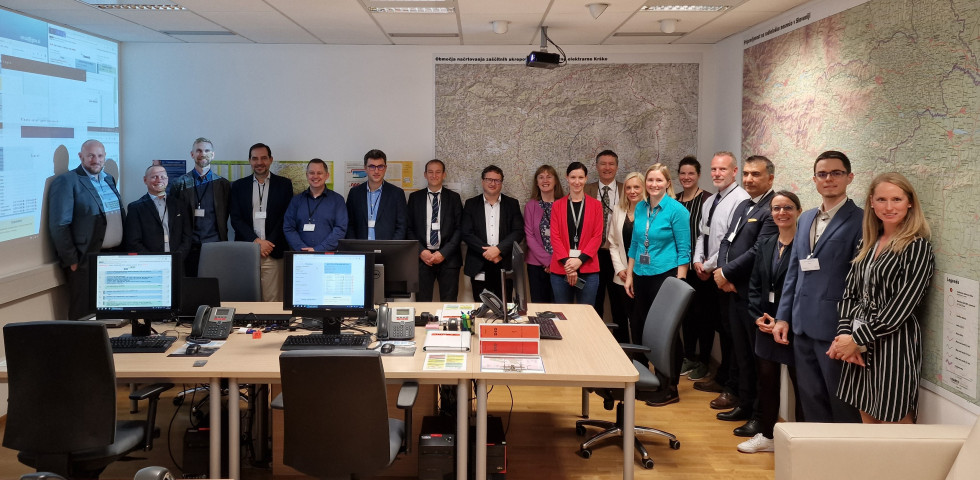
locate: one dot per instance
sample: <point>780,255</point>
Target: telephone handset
<point>384,317</point>
<point>212,323</point>
<point>494,304</point>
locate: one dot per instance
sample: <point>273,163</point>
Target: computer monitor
<point>137,286</point>
<point>515,278</point>
<point>328,285</point>
<point>399,257</point>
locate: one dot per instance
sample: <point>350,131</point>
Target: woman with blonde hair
<point>879,336</point>
<point>619,236</point>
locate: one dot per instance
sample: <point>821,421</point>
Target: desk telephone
<point>396,323</point>
<point>212,323</point>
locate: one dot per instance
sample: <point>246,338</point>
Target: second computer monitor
<point>139,287</point>
<point>328,285</point>
<point>400,259</point>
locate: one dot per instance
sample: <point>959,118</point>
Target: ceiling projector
<point>543,60</point>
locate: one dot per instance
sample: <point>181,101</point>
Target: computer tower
<point>437,448</point>
<point>496,449</point>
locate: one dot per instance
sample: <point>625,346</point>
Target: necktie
<point>434,234</point>
<point>606,210</point>
<point>711,213</point>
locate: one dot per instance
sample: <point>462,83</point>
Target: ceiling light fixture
<point>596,9</point>
<point>684,8</point>
<point>412,9</point>
<point>136,6</point>
<point>668,25</point>
<point>500,26</point>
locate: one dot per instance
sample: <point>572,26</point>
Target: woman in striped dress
<point>878,334</point>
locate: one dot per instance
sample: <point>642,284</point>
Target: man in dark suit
<point>751,222</point>
<point>492,224</point>
<point>258,205</point>
<point>158,222</point>
<point>826,242</point>
<point>207,194</point>
<point>607,190</point>
<point>434,217</point>
<point>376,209</point>
<point>84,216</point>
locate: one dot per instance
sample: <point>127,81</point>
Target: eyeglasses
<point>376,167</point>
<point>835,174</point>
<point>783,208</point>
<point>494,181</point>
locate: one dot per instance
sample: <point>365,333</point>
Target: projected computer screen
<point>329,281</point>
<point>133,282</point>
<point>58,88</point>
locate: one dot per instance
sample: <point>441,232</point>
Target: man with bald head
<point>84,216</point>
<point>158,222</point>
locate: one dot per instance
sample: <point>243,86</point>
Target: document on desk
<point>511,364</point>
<point>455,362</point>
<point>446,341</point>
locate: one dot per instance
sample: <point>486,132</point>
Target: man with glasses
<point>492,224</point>
<point>376,209</point>
<point>84,216</point>
<point>207,194</point>
<point>158,222</point>
<point>826,242</point>
<point>434,217</point>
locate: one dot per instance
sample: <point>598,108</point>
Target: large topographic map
<point>519,118</point>
<point>895,84</point>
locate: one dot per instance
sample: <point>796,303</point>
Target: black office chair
<point>61,413</point>
<point>236,265</point>
<point>335,415</point>
<point>660,347</point>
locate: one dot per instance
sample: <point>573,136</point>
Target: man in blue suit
<point>257,208</point>
<point>825,243</point>
<point>84,216</point>
<point>376,209</point>
<point>158,222</point>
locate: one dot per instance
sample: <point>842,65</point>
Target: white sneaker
<point>756,444</point>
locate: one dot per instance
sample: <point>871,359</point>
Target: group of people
<point>829,292</point>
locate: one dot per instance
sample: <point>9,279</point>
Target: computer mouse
<point>193,349</point>
<point>387,348</point>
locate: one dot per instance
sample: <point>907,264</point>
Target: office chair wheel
<point>675,444</point>
<point>579,430</point>
<point>585,452</point>
<point>647,463</point>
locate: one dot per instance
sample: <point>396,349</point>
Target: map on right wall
<point>895,84</point>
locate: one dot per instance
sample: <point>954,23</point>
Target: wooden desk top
<point>587,355</point>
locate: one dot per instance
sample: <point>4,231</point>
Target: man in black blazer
<point>434,217</point>
<point>751,222</point>
<point>158,222</point>
<point>257,208</point>
<point>207,193</point>
<point>376,209</point>
<point>85,216</point>
<point>498,215</point>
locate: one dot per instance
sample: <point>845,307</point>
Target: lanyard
<point>373,208</point>
<point>576,219</point>
<point>646,234</point>
<point>200,196</point>
<point>261,192</point>
<point>312,210</point>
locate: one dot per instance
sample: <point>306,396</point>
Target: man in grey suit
<point>825,243</point>
<point>84,216</point>
<point>607,190</point>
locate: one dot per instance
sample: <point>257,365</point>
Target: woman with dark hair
<point>316,218</point>
<point>537,229</point>
<point>576,235</point>
<point>765,289</point>
<point>878,335</point>
<point>698,334</point>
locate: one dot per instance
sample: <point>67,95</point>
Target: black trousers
<point>721,324</point>
<point>622,313</point>
<point>79,304</point>
<point>645,288</point>
<point>698,331</point>
<point>606,272</point>
<point>448,278</point>
<point>192,259</point>
<point>767,403</point>
<point>491,282</point>
<point>742,373</point>
<point>539,282</point>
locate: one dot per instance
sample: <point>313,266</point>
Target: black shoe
<point>737,414</point>
<point>669,396</point>
<point>750,429</point>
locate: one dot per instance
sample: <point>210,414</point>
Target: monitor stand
<point>331,325</point>
<point>142,328</point>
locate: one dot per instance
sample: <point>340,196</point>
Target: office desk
<point>587,356</point>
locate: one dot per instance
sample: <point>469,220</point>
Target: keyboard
<point>549,331</point>
<point>152,344</point>
<point>319,341</point>
<point>262,319</point>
